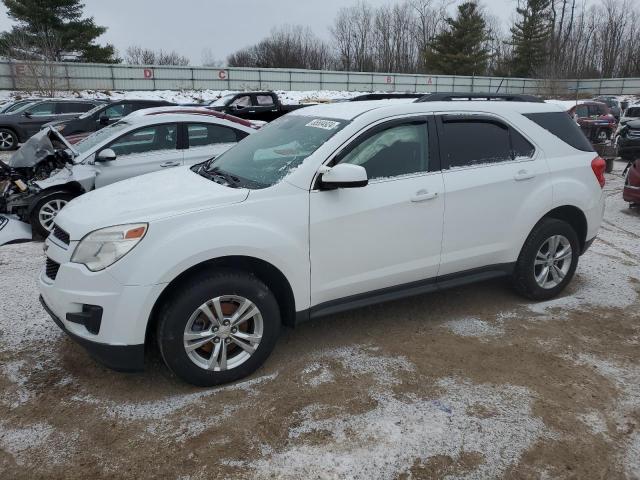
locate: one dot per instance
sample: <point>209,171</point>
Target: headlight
<point>102,248</point>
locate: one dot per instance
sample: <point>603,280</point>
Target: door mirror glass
<point>106,155</point>
<point>345,175</point>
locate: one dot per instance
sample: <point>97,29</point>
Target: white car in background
<point>144,142</point>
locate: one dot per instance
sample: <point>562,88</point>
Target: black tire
<point>8,140</point>
<point>524,279</point>
<point>40,230</point>
<point>176,310</point>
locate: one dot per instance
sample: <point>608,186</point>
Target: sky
<point>221,26</point>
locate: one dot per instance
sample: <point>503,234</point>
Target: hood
<point>147,198</point>
<point>634,124</point>
<point>36,149</point>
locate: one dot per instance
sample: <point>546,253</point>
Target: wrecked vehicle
<point>49,171</point>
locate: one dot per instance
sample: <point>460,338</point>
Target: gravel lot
<point>469,383</point>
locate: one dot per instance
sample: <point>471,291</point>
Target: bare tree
<point>33,64</point>
<point>136,55</point>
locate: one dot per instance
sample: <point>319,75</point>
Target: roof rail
<point>504,97</point>
<point>385,96</point>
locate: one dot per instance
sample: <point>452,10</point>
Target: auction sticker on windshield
<point>324,124</point>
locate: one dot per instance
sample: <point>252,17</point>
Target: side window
<point>202,134</point>
<point>74,107</point>
<point>395,151</point>
<point>243,101</point>
<point>116,111</point>
<point>42,109</point>
<point>582,111</point>
<point>521,146</point>
<point>148,139</point>
<point>264,100</point>
<point>473,142</point>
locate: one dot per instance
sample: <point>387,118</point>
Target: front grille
<point>61,235</point>
<point>51,269</point>
<point>633,133</point>
<point>3,221</point>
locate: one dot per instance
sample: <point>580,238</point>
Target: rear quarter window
<point>562,126</point>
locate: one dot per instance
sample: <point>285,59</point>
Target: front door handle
<point>422,195</point>
<point>523,175</point>
<point>170,164</point>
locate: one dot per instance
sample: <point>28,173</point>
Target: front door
<point>389,232</point>
<point>145,150</point>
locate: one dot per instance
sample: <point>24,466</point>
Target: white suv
<point>328,208</point>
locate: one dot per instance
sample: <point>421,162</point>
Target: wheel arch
<point>71,187</point>
<point>265,271</point>
<point>574,217</point>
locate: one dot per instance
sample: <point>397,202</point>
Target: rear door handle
<point>423,195</point>
<point>523,175</point>
<point>170,164</point>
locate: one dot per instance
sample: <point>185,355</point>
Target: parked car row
<point>48,171</point>
<point>325,209</point>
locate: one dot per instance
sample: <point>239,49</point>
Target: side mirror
<point>104,120</point>
<point>106,155</point>
<point>238,107</point>
<point>344,175</point>
<point>28,114</point>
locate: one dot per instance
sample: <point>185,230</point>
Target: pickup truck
<point>264,106</point>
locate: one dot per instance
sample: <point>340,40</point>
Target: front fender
<point>173,247</point>
<point>80,174</point>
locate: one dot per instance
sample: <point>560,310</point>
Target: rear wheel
<point>46,210</point>
<point>548,260</point>
<point>8,140</point>
<point>218,327</point>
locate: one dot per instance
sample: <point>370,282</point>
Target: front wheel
<point>46,210</point>
<point>218,327</point>
<point>548,260</point>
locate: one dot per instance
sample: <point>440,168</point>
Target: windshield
<point>92,111</point>
<point>100,136</point>
<point>19,107</point>
<point>221,102</point>
<point>267,156</point>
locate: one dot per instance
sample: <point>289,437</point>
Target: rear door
<point>141,151</point>
<point>264,107</point>
<point>495,182</point>
<point>206,140</point>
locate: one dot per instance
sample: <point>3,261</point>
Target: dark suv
<point>103,115</point>
<point>19,125</point>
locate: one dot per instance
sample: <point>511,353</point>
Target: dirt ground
<point>470,383</point>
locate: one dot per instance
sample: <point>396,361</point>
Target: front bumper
<point>123,358</point>
<point>629,149</point>
<point>71,293</point>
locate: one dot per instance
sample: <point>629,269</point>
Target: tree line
<point>548,39</point>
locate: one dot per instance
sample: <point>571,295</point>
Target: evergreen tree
<point>53,30</point>
<point>530,36</point>
<point>461,49</point>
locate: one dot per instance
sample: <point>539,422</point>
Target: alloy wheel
<point>6,140</point>
<point>223,333</point>
<point>553,261</point>
<point>48,212</point>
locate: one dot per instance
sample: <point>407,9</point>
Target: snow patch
<point>473,327</point>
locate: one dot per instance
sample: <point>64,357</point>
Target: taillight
<point>598,165</point>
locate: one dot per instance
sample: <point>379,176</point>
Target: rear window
<point>563,127</point>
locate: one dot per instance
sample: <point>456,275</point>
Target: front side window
<point>148,139</point>
<point>264,100</point>
<point>117,111</point>
<point>201,134</point>
<point>267,156</point>
<point>395,151</point>
<point>633,112</point>
<point>244,101</point>
<point>468,141</point>
<point>42,109</point>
